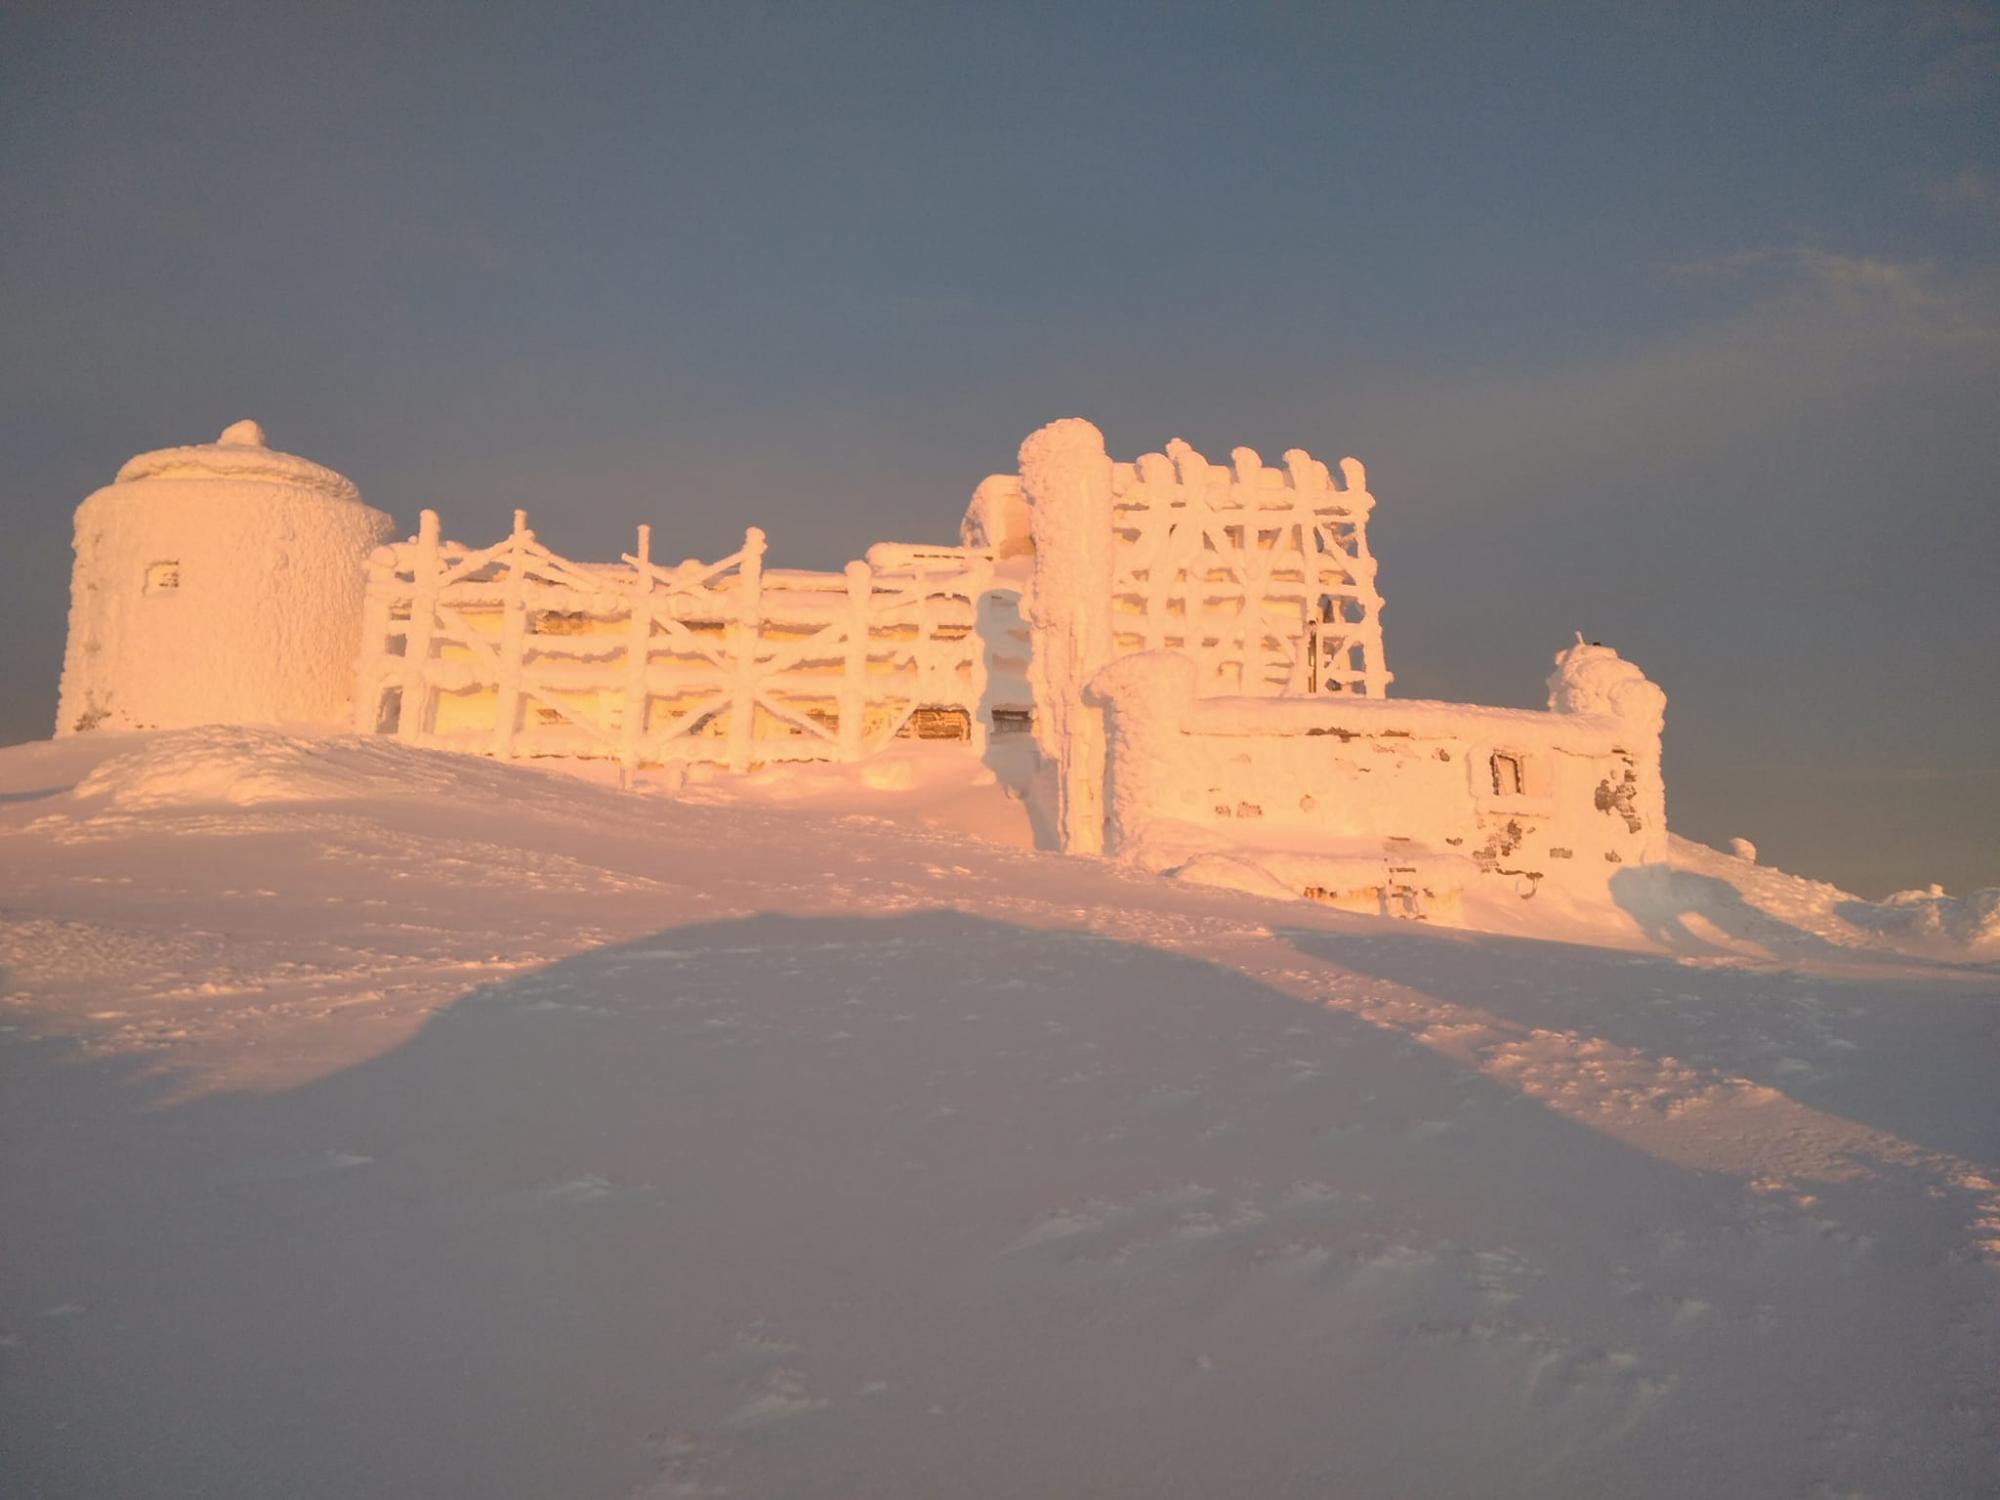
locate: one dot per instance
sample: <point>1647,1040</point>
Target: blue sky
<point>1675,324</point>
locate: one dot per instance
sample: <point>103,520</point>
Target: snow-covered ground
<point>374,1121</point>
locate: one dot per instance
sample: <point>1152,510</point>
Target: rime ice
<point>229,583</point>
<point>1196,648</point>
<point>216,584</point>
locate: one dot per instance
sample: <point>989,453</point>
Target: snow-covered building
<point>1196,648</point>
<point>218,583</point>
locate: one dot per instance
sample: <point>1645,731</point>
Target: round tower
<point>216,584</point>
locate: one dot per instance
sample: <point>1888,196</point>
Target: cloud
<point>1972,194</point>
<point>1955,46</point>
<point>1824,345</point>
<point>1807,263</point>
<point>1819,413</point>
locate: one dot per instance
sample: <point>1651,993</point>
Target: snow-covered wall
<point>219,583</point>
<point>1568,796</point>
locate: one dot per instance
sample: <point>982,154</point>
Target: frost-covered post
<point>1066,476</point>
<point>748,629</point>
<point>1145,698</point>
<point>928,652</point>
<point>513,639</point>
<point>978,580</point>
<point>1358,502</point>
<point>369,674</point>
<point>415,711</point>
<point>854,665</point>
<point>638,652</point>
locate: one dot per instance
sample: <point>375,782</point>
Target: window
<point>163,576</point>
<point>1508,780</point>
<point>1013,721</point>
<point>937,723</point>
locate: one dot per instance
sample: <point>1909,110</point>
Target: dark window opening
<point>938,724</point>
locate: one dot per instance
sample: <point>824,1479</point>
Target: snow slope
<point>375,1121</point>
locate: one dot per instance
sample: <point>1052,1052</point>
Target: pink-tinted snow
<point>374,1121</point>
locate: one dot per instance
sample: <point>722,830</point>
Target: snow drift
<point>375,1121</point>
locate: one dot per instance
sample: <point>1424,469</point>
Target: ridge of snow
<point>230,765</point>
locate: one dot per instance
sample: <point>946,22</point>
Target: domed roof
<point>240,453</point>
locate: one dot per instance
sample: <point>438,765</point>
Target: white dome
<point>240,453</point>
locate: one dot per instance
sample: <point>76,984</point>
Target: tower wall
<point>216,584</point>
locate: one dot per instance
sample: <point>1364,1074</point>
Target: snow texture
<point>219,583</point>
<point>1591,678</point>
<point>375,1121</point>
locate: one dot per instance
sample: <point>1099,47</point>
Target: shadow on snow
<point>904,1206</point>
<point>1910,1057</point>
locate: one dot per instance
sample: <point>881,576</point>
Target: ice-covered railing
<point>511,650</point>
<point>1262,575</point>
<point>1570,795</point>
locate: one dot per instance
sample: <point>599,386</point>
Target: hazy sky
<point>1677,325</point>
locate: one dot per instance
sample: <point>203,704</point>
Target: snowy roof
<point>239,453</point>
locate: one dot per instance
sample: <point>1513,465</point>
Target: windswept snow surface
<point>379,1122</point>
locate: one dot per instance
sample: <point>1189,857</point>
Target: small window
<point>1507,778</point>
<point>1013,721</point>
<point>162,577</point>
<point>937,723</point>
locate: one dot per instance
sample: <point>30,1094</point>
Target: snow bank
<point>642,1148</point>
<point>1970,923</point>
<point>244,766</point>
<point>1716,891</point>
